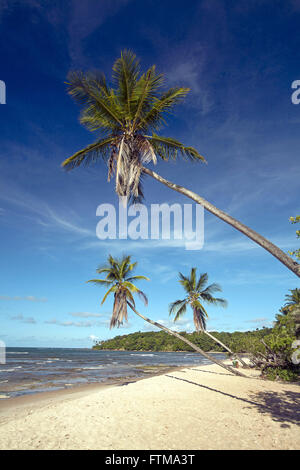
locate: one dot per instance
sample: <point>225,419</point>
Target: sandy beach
<point>196,408</point>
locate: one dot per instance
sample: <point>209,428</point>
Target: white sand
<point>197,408</point>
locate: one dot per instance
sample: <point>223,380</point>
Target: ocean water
<point>33,370</point>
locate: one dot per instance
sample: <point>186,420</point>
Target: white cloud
<point>93,337</point>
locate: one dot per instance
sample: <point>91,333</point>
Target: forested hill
<point>161,341</point>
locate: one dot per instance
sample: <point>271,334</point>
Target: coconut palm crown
<point>119,279</point>
<point>123,115</point>
<point>197,291</point>
<point>127,117</point>
<point>293,299</point>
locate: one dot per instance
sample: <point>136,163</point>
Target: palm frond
<point>185,282</point>
<point>112,289</point>
<point>145,92</point>
<point>126,71</point>
<point>137,278</point>
<point>167,147</point>
<point>143,297</point>
<point>193,278</point>
<point>154,119</point>
<point>213,300</point>
<point>90,154</point>
<point>200,315</point>
<point>177,308</point>
<point>214,287</point>
<point>202,281</point>
<point>88,91</point>
<point>293,299</point>
<point>129,296</point>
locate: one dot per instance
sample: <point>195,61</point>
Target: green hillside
<point>161,341</point>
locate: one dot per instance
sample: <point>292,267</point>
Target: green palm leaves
<point>119,279</point>
<point>122,115</point>
<point>197,292</point>
<point>293,299</point>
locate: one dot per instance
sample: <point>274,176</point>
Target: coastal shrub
<point>287,375</point>
<point>275,361</point>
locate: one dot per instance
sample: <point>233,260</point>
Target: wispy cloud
<point>86,314</point>
<point>246,277</point>
<point>80,324</point>
<point>29,298</point>
<point>23,319</point>
<point>180,325</point>
<point>82,24</point>
<point>261,321</point>
<point>258,320</point>
<point>40,211</point>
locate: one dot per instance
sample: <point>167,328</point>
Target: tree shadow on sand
<point>210,372</point>
<point>283,407</point>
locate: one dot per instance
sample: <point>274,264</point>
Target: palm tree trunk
<point>256,237</point>
<point>173,333</point>
<point>225,347</point>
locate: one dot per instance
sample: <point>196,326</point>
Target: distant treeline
<point>161,341</point>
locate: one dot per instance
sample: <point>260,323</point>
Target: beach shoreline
<point>200,407</point>
<point>77,390</point>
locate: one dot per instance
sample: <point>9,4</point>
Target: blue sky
<point>239,59</point>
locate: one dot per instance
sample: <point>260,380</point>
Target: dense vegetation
<point>272,350</point>
<point>277,354</point>
<point>161,341</point>
<point>296,253</point>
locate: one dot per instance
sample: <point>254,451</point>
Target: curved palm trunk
<point>256,237</point>
<point>173,333</point>
<point>225,347</point>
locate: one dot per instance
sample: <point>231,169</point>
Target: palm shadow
<point>282,407</point>
<point>210,372</point>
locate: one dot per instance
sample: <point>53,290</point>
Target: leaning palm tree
<point>197,292</point>
<point>127,117</point>
<point>292,300</point>
<point>120,280</point>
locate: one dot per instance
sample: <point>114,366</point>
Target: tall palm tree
<point>197,292</point>
<point>123,116</point>
<point>119,279</point>
<point>292,300</point>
